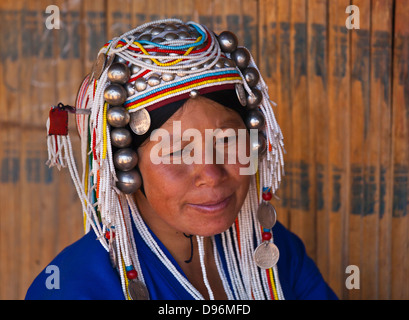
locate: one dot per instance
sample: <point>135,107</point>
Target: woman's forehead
<point>201,111</point>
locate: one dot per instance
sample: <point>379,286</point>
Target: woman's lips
<point>212,206</point>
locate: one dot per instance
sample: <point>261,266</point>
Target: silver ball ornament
<point>140,84</point>
<point>130,89</point>
<point>115,94</point>
<point>255,120</point>
<point>121,137</point>
<point>128,181</point>
<point>259,145</point>
<point>168,77</point>
<point>228,41</point>
<point>252,76</point>
<point>118,116</point>
<point>119,73</point>
<point>154,80</point>
<point>241,57</point>
<point>125,159</point>
<point>254,100</point>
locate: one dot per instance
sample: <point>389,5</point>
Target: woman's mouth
<point>212,206</point>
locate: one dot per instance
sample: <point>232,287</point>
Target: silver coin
<point>99,65</point>
<point>112,254</point>
<point>267,215</point>
<point>241,94</point>
<point>266,255</point>
<point>137,290</point>
<point>140,121</point>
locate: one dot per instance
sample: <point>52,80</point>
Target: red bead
<point>131,274</point>
<point>267,196</point>
<point>266,236</point>
<point>108,235</point>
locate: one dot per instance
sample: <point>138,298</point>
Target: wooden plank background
<point>343,105</point>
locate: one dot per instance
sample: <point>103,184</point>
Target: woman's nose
<point>209,175</point>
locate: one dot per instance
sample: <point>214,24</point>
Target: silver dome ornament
<point>118,116</point>
<point>128,181</point>
<point>130,89</point>
<point>154,80</point>
<point>254,99</point>
<point>135,69</point>
<point>157,30</point>
<point>158,40</point>
<point>220,63</point>
<point>140,121</point>
<point>119,59</point>
<point>170,27</point>
<point>194,94</point>
<point>168,77</point>
<point>121,137</point>
<point>145,37</point>
<point>255,120</point>
<point>228,41</point>
<point>252,76</point>
<point>125,159</point>
<point>229,63</point>
<point>241,57</point>
<point>171,36</point>
<point>140,84</point>
<point>115,94</point>
<point>119,73</point>
<point>183,35</point>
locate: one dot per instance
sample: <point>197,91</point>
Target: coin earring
<point>266,254</point>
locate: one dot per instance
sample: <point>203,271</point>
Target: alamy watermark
<point>353,21</point>
<point>219,146</point>
<point>53,280</point>
<point>352,281</point>
<point>53,20</point>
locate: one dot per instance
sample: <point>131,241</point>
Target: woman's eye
<point>226,140</point>
<point>177,153</point>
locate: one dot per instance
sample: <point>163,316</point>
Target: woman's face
<point>200,198</point>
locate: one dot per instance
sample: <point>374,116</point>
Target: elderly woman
<point>181,155</point>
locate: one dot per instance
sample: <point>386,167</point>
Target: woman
<point>181,155</point>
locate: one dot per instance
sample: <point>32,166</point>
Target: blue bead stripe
<point>187,80</point>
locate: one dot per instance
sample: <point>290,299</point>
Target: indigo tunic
<point>85,272</point>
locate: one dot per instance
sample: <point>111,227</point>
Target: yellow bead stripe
<point>160,63</point>
<point>167,93</point>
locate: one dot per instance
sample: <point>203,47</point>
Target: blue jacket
<point>85,272</point>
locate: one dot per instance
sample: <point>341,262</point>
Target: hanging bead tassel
<point>57,131</point>
<point>266,254</point>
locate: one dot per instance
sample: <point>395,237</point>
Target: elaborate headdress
<point>144,69</point>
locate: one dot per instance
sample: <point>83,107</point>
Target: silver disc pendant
<point>241,94</point>
<point>140,121</point>
<point>99,65</point>
<point>266,255</point>
<point>137,290</point>
<point>112,254</point>
<point>267,215</point>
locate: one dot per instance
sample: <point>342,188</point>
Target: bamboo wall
<point>343,105</point>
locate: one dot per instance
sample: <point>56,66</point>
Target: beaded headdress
<point>144,69</point>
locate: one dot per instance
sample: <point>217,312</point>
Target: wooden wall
<point>343,104</point>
